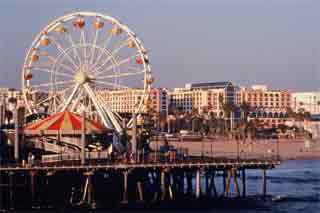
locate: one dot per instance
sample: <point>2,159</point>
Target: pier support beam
<point>189,182</point>
<point>208,189</point>
<point>11,190</point>
<point>48,197</point>
<point>88,197</point>
<point>156,178</point>
<point>181,184</point>
<point>125,187</point>
<point>163,185</point>
<point>244,183</point>
<point>264,182</point>
<point>198,184</point>
<point>235,179</point>
<point>227,185</point>
<point>224,182</point>
<point>213,184</point>
<point>33,187</point>
<point>140,191</point>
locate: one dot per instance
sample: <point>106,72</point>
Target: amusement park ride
<point>76,56</point>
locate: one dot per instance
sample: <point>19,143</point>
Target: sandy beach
<point>287,149</point>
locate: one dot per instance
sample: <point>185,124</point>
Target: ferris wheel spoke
<point>121,75</point>
<point>53,96</point>
<point>94,45</point>
<point>83,44</point>
<point>52,84</point>
<point>106,42</point>
<point>53,60</point>
<point>126,60</point>
<point>111,84</point>
<point>113,53</point>
<point>74,104</point>
<point>66,104</point>
<point>51,71</point>
<point>63,51</point>
<point>74,49</point>
<point>66,67</point>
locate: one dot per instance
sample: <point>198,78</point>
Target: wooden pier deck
<point>212,163</point>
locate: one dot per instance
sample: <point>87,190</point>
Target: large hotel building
<point>204,97</point>
<point>268,106</point>
<point>124,101</point>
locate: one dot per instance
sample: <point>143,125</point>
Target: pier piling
<point>244,183</point>
<point>125,187</point>
<point>198,184</point>
<point>264,182</point>
<point>11,190</point>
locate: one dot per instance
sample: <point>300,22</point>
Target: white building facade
<point>306,101</point>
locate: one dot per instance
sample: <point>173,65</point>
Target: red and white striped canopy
<point>64,123</point>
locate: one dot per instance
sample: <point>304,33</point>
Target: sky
<point>272,42</point>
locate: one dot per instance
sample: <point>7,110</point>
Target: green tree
<point>245,109</point>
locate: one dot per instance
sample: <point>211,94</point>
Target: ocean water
<point>296,182</point>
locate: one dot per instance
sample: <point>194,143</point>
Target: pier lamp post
<point>99,148</point>
<point>157,147</point>
<point>202,147</point>
<point>278,154</point>
<point>134,135</point>
<point>238,151</point>
<point>83,137</point>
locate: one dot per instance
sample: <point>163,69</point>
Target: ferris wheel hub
<point>81,77</point>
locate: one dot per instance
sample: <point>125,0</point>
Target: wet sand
<point>287,149</point>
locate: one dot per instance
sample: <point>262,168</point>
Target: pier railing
<point>152,160</point>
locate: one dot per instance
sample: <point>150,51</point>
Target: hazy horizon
<point>274,42</point>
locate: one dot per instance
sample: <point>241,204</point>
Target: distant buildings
<point>204,97</point>
<point>268,106</point>
<point>306,101</point>
<point>125,101</point>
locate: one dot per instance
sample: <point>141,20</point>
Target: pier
<point>104,183</point>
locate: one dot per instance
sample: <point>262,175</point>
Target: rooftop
<point>208,85</point>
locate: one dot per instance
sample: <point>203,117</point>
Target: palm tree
<point>290,112</point>
<point>8,115</point>
<point>301,115</point>
<point>228,110</point>
<point>245,109</point>
<point>252,128</point>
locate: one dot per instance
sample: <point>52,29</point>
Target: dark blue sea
<point>295,182</point>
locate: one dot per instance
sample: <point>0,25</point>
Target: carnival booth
<point>62,132</point>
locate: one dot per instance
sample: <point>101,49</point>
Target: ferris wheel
<point>77,57</point>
